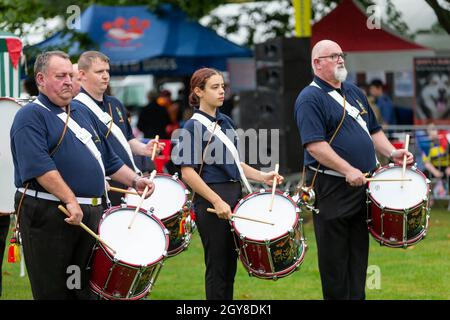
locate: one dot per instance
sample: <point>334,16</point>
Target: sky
<point>417,16</point>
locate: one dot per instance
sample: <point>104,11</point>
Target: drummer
<point>336,170</point>
<point>93,68</point>
<point>56,162</point>
<point>215,180</point>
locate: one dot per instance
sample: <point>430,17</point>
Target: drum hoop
<point>98,290</point>
<point>166,175</point>
<point>387,167</point>
<point>282,273</point>
<point>18,101</point>
<point>262,191</point>
<point>297,221</point>
<point>398,244</point>
<point>122,262</point>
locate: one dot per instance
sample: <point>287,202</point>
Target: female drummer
<point>209,168</point>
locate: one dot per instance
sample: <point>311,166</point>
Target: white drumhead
<point>168,198</point>
<point>391,195</point>
<point>143,244</point>
<point>283,215</point>
<point>8,109</point>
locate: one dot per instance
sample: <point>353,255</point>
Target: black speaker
<point>283,49</point>
<point>283,63</point>
<point>269,129</point>
<point>283,69</point>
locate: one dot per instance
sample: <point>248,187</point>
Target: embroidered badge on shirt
<point>97,138</point>
<point>120,115</point>
<point>363,110</point>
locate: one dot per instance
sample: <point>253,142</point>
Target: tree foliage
<point>442,10</point>
<point>24,16</point>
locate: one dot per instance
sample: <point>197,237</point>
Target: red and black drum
<point>269,251</point>
<point>131,272</point>
<point>8,110</point>
<point>398,211</point>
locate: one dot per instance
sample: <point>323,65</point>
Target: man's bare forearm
<point>55,184</point>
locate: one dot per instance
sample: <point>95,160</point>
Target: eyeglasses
<point>335,56</point>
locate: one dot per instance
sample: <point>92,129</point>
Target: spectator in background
<point>154,118</point>
<point>436,159</point>
<point>31,87</point>
<point>76,81</point>
<point>373,105</point>
<point>173,109</point>
<point>144,163</point>
<point>383,102</point>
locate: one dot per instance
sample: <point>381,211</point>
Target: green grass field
<point>419,272</point>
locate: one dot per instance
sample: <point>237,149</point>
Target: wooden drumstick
<point>243,217</point>
<point>86,228</point>
<point>274,186</point>
<point>120,190</point>
<point>152,176</point>
<point>404,158</point>
<point>155,145</point>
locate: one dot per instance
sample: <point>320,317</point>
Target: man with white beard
<point>339,154</point>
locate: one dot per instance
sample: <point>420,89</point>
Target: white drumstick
<point>274,186</point>
<point>243,217</point>
<point>152,176</point>
<point>404,158</point>
<point>155,146</point>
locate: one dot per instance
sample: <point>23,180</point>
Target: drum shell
<point>396,227</point>
<point>115,279</point>
<point>123,281</point>
<point>8,108</point>
<point>272,258</point>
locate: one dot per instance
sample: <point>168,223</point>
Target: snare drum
<point>269,251</point>
<point>169,203</point>
<point>140,252</point>
<point>8,110</point>
<point>397,215</point>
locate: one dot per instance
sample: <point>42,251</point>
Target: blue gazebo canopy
<point>139,41</point>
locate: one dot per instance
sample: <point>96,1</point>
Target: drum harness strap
<point>186,209</point>
<point>15,240</point>
<point>228,144</point>
<point>203,158</point>
<point>203,155</point>
<point>306,194</point>
<point>108,121</point>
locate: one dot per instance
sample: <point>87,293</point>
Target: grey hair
<point>42,60</point>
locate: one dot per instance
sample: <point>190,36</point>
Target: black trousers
<point>342,237</point>
<point>4,227</point>
<point>56,253</point>
<point>218,242</point>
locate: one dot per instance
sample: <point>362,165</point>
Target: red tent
<point>376,49</point>
<point>347,25</point>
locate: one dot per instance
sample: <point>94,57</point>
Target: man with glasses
<point>339,154</point>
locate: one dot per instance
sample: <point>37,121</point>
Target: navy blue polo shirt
<point>191,140</point>
<point>119,115</point>
<point>34,135</point>
<point>317,115</point>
